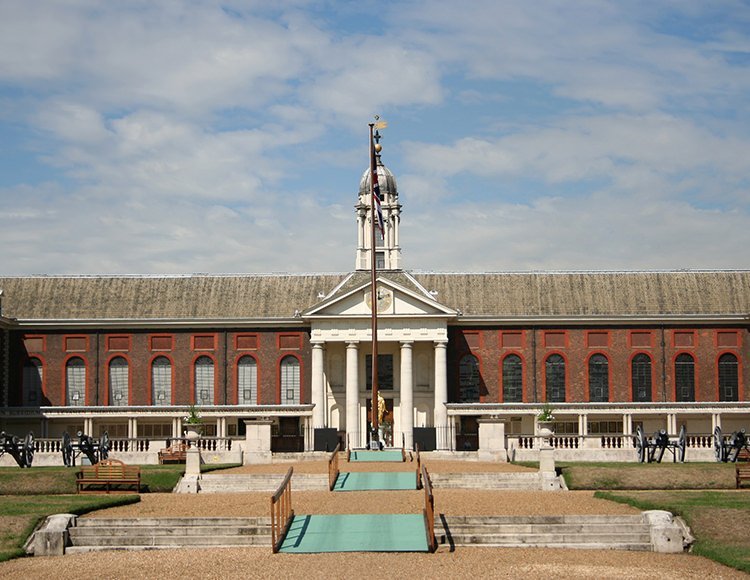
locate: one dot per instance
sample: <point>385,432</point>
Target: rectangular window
<point>511,339</point>
<point>246,342</point>
<point>641,339</point>
<point>75,343</point>
<point>204,342</point>
<point>34,343</point>
<point>727,338</point>
<point>290,341</point>
<point>161,342</point>
<point>385,371</point>
<point>597,339</point>
<point>605,427</point>
<point>554,339</point>
<point>683,338</point>
<point>473,339</point>
<point>118,343</point>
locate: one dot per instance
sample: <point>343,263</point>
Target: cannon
<point>21,450</point>
<point>729,450</point>
<point>96,451</point>
<point>652,449</point>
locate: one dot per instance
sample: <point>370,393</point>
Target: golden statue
<point>381,409</point>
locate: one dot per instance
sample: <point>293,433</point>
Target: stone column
<point>627,424</point>
<point>352,394</point>
<point>407,395</point>
<point>441,393</point>
<point>318,387</point>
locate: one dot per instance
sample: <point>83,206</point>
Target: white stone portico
<point>412,328</point>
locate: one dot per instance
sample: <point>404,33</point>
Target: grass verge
<point>718,519</point>
<point>19,515</point>
<point>27,496</point>
<point>648,476</point>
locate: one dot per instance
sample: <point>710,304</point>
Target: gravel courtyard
<point>464,562</point>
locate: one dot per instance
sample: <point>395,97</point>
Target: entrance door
<point>287,438</point>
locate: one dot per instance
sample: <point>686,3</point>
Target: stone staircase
<point>594,532</point>
<point>90,534</point>
<point>238,483</point>
<point>494,481</point>
<point>584,532</point>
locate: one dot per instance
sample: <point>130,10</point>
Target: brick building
<point>608,350</point>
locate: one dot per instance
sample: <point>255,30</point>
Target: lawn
<point>645,476</point>
<point>54,492</point>
<point>719,520</point>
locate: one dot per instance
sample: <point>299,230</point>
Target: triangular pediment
<point>394,300</point>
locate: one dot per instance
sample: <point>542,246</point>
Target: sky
<point>193,136</point>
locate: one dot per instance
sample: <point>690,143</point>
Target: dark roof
<point>269,296</point>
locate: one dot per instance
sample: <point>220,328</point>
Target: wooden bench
<point>175,453</point>
<point>109,476</point>
<point>742,468</point>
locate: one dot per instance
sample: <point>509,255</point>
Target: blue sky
<point>141,137</point>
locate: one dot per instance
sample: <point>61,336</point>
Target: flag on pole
<point>376,190</point>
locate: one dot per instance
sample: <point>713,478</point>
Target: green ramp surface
<point>312,534</point>
<point>390,456</point>
<point>361,481</point>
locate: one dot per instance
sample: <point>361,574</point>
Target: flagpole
<point>374,438</point>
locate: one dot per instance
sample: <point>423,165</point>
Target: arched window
<point>290,386</point>
<point>512,379</point>
<point>247,381</point>
<point>118,382</point>
<point>641,378</point>
<point>33,372</point>
<point>728,378</point>
<point>684,374</point>
<point>161,381</point>
<point>75,382</point>
<point>204,381</point>
<point>598,379</point>
<point>554,369</point>
<point>468,379</point>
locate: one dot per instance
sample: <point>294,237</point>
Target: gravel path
<point>464,562</point>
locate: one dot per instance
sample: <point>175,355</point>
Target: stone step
<point>80,533</point>
<point>150,533</point>
<point>529,528</point>
<point>632,547</point>
<point>172,522</point>
<point>547,519</point>
<point>263,482</point>
<point>551,538</point>
<point>177,541</point>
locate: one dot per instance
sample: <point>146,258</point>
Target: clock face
<point>385,299</point>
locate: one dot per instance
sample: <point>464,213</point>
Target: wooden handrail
<point>419,466</point>
<point>333,467</point>
<point>281,511</point>
<point>429,510</point>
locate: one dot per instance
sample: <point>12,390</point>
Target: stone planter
<point>545,431</point>
<point>193,431</point>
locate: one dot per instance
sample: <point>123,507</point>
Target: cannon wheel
<point>104,446</point>
<point>718,445</point>
<point>640,444</point>
<point>28,449</point>
<point>67,450</point>
<point>682,445</point>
